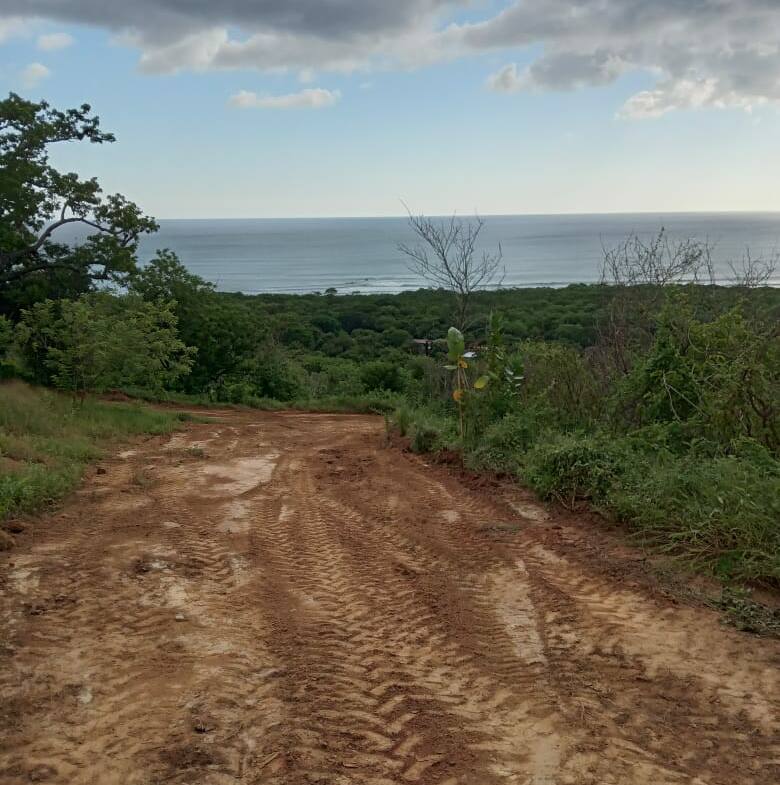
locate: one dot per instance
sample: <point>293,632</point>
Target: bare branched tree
<point>753,271</point>
<point>447,257</point>
<point>640,269</point>
<point>657,262</point>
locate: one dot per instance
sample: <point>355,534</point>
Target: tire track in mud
<point>279,599</point>
<point>583,634</point>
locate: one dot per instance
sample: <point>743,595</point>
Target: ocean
<point>297,255</point>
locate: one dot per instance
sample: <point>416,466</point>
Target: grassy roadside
<point>47,440</point>
<point>716,512</point>
<point>367,403</point>
<point>700,513</point>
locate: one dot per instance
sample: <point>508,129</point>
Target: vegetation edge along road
<point>47,440</point>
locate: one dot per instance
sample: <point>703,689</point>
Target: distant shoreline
<point>299,255</point>
<point>402,216</point>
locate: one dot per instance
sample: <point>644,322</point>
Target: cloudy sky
<point>245,108</point>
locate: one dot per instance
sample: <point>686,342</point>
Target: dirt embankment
<point>276,598</point>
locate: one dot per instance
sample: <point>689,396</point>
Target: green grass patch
<point>719,513</point>
<point>47,439</point>
<point>379,402</point>
<point>427,429</point>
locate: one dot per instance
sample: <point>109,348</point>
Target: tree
<point>225,330</point>
<point>640,271</point>
<point>446,256</point>
<point>101,341</point>
<point>659,261</point>
<point>720,378</point>
<point>752,271</point>
<point>36,201</point>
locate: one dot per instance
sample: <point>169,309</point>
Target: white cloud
<point>195,51</point>
<point>34,73</point>
<point>702,53</point>
<point>49,42</point>
<point>506,80</point>
<point>11,27</point>
<point>716,54</point>
<point>683,94</point>
<point>311,98</point>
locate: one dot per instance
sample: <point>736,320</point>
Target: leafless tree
<point>753,271</point>
<point>657,262</point>
<point>640,269</point>
<point>446,256</point>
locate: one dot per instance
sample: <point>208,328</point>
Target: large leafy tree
<point>226,330</point>
<point>37,201</point>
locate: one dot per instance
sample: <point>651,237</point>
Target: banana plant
<point>458,364</point>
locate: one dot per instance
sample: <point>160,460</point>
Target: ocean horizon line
<point>615,213</point>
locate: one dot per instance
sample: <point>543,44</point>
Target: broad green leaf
<point>481,383</point>
<point>455,344</point>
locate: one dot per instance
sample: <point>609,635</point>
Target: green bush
<point>720,513</point>
<point>6,336</point>
<point>720,378</point>
<point>7,368</point>
<point>332,376</point>
<point>426,436</point>
<point>427,430</point>
<point>382,375</point>
<point>269,374</point>
<point>574,467</point>
<point>505,442</point>
<point>402,420</point>
<point>100,341</point>
<point>374,403</point>
<point>559,377</point>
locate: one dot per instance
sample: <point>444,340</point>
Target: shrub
<point>558,376</point>
<point>426,436</point>
<point>504,443</point>
<point>573,467</point>
<point>428,430</point>
<point>269,374</point>
<point>720,513</point>
<point>402,420</point>
<point>381,375</point>
<point>7,368</point>
<point>100,341</point>
<point>722,378</point>
<point>6,336</point>
<point>329,376</point>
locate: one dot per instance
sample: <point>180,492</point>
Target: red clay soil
<point>281,599</point>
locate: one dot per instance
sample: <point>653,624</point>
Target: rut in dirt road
<point>279,598</point>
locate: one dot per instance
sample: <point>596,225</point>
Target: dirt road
<point>279,598</point>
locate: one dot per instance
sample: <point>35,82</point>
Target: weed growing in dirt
<point>46,440</point>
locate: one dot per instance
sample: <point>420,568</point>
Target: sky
<point>276,108</point>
